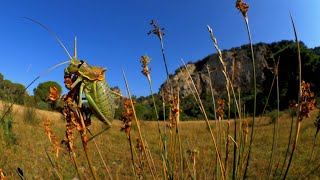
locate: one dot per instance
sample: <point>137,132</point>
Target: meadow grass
<point>29,153</point>
<point>263,148</point>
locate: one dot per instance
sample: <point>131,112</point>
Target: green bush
<point>6,125</point>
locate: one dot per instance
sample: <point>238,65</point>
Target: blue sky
<point>113,34</point>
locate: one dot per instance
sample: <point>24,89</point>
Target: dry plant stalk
<point>222,168</point>
<point>148,158</point>
<point>2,176</point>
<point>242,7</point>
<point>193,156</point>
<point>126,116</point>
<point>141,160</point>
<point>174,110</point>
<point>220,109</point>
<point>245,126</point>
<point>74,119</point>
<point>145,60</point>
<point>52,137</point>
<point>307,101</point>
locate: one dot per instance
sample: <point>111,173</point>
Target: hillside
<point>239,68</point>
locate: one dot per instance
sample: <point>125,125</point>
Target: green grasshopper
<point>91,81</point>
<point>97,92</point>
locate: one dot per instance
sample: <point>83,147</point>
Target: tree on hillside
<point>288,73</point>
<point>1,77</point>
<point>10,91</point>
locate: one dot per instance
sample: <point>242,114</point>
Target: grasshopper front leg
<point>74,84</point>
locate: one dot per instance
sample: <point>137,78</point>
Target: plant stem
<point>139,129</point>
<point>254,95</point>
<point>275,130</point>
<point>299,100</point>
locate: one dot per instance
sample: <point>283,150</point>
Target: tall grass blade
<point>276,124</point>
<point>152,169</point>
<point>299,102</point>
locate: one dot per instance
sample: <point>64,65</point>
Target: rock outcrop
<point>239,67</point>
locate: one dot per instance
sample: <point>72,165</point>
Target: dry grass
<point>29,152</point>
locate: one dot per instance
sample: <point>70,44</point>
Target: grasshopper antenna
<point>15,100</point>
<point>75,47</point>
<point>54,35</point>
<point>46,71</point>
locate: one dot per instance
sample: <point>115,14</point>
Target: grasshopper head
<point>73,66</point>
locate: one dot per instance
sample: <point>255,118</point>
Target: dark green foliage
<point>145,108</point>
<point>9,136</point>
<point>286,52</point>
<point>1,77</point>
<point>6,126</point>
<point>10,91</point>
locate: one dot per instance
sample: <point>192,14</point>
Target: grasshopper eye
<point>80,64</point>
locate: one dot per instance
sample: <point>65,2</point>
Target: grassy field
<point>29,152</point>
<point>226,149</point>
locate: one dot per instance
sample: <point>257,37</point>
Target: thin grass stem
<point>138,127</point>
<point>254,94</point>
<point>299,101</point>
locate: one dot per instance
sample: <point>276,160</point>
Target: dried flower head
<point>54,94</point>
<point>71,116</point>
<point>307,101</point>
<point>174,111</point>
<point>52,137</point>
<point>127,116</point>
<point>157,30</point>
<point>242,7</point>
<point>220,110</point>
<point>68,82</point>
<point>145,60</point>
<point>139,145</point>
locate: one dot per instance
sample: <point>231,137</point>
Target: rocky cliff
<point>239,66</point>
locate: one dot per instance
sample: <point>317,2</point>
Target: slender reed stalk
<point>53,166</point>
<point>228,86</point>
<point>289,142</point>
<point>240,138</point>
<point>317,125</point>
<point>158,32</point>
<point>72,154</point>
<point>152,169</point>
<point>243,8</point>
<point>276,124</point>
<point>211,90</point>
<point>145,60</point>
<point>101,157</point>
<point>85,146</point>
<point>190,87</point>
<point>299,101</point>
<point>215,114</point>
<point>207,123</point>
